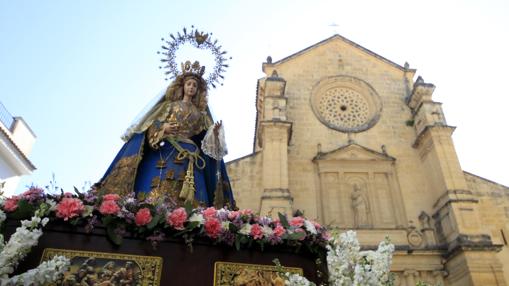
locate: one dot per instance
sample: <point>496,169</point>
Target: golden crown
<point>194,68</point>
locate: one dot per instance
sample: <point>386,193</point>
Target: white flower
<point>310,227</point>
<point>246,229</point>
<point>198,218</point>
<point>267,231</point>
<point>225,225</point>
<point>46,272</point>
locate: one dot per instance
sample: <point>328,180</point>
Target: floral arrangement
<point>157,220</point>
<point>346,263</point>
<point>20,244</point>
<point>349,266</point>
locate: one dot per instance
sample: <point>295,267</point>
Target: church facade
<point>350,138</point>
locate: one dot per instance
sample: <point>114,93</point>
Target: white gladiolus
<point>348,266</point>
<point>18,246</point>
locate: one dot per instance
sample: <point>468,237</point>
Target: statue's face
<point>190,87</point>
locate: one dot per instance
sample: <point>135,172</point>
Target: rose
<point>256,231</point>
<point>111,197</point>
<point>279,231</point>
<point>143,217</point>
<point>109,207</point>
<point>11,204</point>
<point>297,221</point>
<point>209,213</point>
<point>212,227</point>
<point>177,218</point>
<point>69,208</point>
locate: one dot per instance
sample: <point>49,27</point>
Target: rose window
<point>346,104</point>
<point>344,107</point>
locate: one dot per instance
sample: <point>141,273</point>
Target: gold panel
<point>103,268</point>
<point>228,273</point>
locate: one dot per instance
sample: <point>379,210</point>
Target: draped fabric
<point>157,166</point>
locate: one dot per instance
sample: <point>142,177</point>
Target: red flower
<point>143,217</point>
<point>279,231</point>
<point>109,207</point>
<point>177,218</point>
<point>209,213</point>
<point>111,197</point>
<point>11,204</point>
<point>212,227</point>
<point>256,231</point>
<point>69,208</point>
<point>297,221</point>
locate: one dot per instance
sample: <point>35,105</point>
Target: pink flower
<point>297,221</point>
<point>233,215</point>
<point>33,194</point>
<point>143,217</point>
<point>301,230</point>
<point>317,225</point>
<point>67,195</point>
<point>246,212</point>
<point>212,227</point>
<point>11,204</point>
<point>326,235</point>
<point>256,231</point>
<point>69,208</point>
<point>279,231</point>
<point>209,213</point>
<point>177,218</point>
<point>111,197</point>
<point>109,207</point>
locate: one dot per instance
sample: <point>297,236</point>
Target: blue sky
<point>78,72</point>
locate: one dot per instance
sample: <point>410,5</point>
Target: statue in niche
<point>360,207</point>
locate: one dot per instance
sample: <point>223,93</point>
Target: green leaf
<point>283,220</point>
<point>153,222</point>
<point>233,228</point>
<point>296,235</point>
<point>25,210</point>
<point>107,220</point>
<point>115,238</point>
<point>192,225</point>
<point>189,208</point>
<point>237,242</point>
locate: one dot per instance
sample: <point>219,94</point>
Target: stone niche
<point>359,189</point>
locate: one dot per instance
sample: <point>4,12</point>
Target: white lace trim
<point>210,146</point>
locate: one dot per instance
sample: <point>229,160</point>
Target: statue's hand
<point>217,125</point>
<point>170,128</point>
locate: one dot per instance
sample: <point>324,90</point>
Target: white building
<point>16,141</point>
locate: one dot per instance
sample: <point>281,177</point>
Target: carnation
<point>177,218</point>
<point>209,213</point>
<point>111,197</point>
<point>143,217</point>
<point>212,227</point>
<point>11,204</point>
<point>297,221</point>
<point>109,207</point>
<point>256,231</point>
<point>69,208</point>
<point>279,231</point>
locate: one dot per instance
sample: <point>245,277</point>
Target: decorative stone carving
<point>346,104</point>
<point>415,238</point>
<point>360,207</point>
<point>424,219</point>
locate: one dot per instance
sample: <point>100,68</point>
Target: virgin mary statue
<point>174,152</point>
